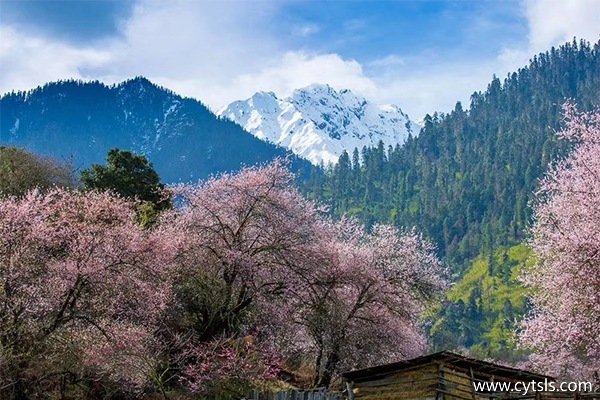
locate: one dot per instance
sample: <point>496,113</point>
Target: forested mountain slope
<point>466,180</point>
<point>83,120</point>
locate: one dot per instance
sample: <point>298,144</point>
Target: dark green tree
<point>131,176</point>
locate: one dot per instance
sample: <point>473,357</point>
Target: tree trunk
<point>330,367</point>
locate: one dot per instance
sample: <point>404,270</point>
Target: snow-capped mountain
<point>319,123</point>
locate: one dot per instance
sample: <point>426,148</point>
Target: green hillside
<point>480,310</point>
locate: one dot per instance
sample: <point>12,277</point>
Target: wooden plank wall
<point>417,384</point>
<point>456,384</point>
<point>314,394</point>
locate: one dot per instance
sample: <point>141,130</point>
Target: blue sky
<point>421,55</point>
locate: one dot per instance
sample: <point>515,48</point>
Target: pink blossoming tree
<point>359,303</point>
<point>226,366</point>
<point>236,236</point>
<point>564,328</point>
<point>256,258</point>
<point>81,287</point>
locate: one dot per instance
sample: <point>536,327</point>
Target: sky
<point>421,55</point>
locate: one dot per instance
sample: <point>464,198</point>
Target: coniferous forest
<point>467,181</point>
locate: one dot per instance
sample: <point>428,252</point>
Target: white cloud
<point>26,62</point>
<point>354,25</point>
<point>553,22</point>
<point>285,73</point>
<point>420,87</point>
<point>297,69</point>
<point>391,60</point>
<point>207,44</point>
<point>183,39</point>
<point>305,30</point>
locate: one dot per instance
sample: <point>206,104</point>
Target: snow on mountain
<point>319,123</point>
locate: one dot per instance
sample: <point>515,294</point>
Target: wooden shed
<point>439,376</point>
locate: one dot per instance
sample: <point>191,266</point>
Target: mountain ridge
<point>318,122</point>
<point>83,120</point>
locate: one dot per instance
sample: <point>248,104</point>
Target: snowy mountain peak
<point>319,123</point>
<point>264,101</point>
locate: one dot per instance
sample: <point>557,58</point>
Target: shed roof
<point>480,368</point>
